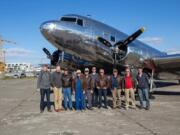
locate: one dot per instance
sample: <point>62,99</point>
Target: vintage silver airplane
<point>87,42</point>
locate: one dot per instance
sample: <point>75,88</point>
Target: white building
<point>26,67</point>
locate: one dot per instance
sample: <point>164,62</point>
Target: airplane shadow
<point>166,84</point>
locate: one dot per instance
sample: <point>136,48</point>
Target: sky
<point>20,21</point>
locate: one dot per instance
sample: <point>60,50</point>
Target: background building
<point>26,67</point>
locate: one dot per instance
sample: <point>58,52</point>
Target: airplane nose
<point>48,26</point>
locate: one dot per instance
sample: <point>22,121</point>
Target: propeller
<point>131,38</point>
<point>53,57</point>
<point>117,45</point>
<point>46,51</point>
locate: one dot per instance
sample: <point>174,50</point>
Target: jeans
<point>44,92</point>
<point>104,93</point>
<point>95,97</point>
<point>144,95</point>
<point>89,98</point>
<point>79,98</point>
<point>67,95</point>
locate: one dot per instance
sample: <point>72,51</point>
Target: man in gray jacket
<point>57,88</point>
<point>44,84</point>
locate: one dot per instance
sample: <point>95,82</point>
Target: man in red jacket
<point>129,85</point>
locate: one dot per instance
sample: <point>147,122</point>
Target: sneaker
<point>133,107</point>
<point>49,110</point>
<point>41,111</point>
<point>106,107</point>
<point>126,108</point>
<point>90,108</point>
<point>65,109</point>
<point>147,108</point>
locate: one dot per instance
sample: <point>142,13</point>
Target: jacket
<point>82,83</point>
<point>66,81</point>
<point>115,81</point>
<point>143,81</point>
<point>88,83</point>
<point>44,80</point>
<point>56,79</point>
<point>102,82</point>
<point>94,78</point>
<point>134,82</point>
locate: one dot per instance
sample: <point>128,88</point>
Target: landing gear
<point>151,85</point>
<point>179,82</point>
<point>151,80</point>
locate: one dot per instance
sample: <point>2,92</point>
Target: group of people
<point>90,89</point>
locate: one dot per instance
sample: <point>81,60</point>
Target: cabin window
<point>68,19</point>
<point>113,39</point>
<point>80,22</point>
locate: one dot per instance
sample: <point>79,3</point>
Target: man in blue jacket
<point>143,88</point>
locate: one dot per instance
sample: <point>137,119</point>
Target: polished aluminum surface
<point>81,41</point>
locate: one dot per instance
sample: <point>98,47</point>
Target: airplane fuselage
<point>77,36</point>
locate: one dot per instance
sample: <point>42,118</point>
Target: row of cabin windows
<point>80,22</point>
<point>75,20</point>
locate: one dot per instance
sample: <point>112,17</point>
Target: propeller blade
<point>131,37</point>
<point>104,41</point>
<point>47,53</point>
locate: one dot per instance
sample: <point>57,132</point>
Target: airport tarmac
<point>19,115</point>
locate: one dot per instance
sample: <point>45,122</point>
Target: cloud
<point>152,40</point>
<point>18,52</point>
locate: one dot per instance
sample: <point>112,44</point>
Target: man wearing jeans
<point>67,84</point>
<point>143,88</point>
<point>102,83</point>
<point>44,84</point>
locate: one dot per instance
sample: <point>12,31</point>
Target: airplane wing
<point>168,62</point>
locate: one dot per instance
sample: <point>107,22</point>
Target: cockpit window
<point>80,22</point>
<point>68,19</point>
<point>112,38</point>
